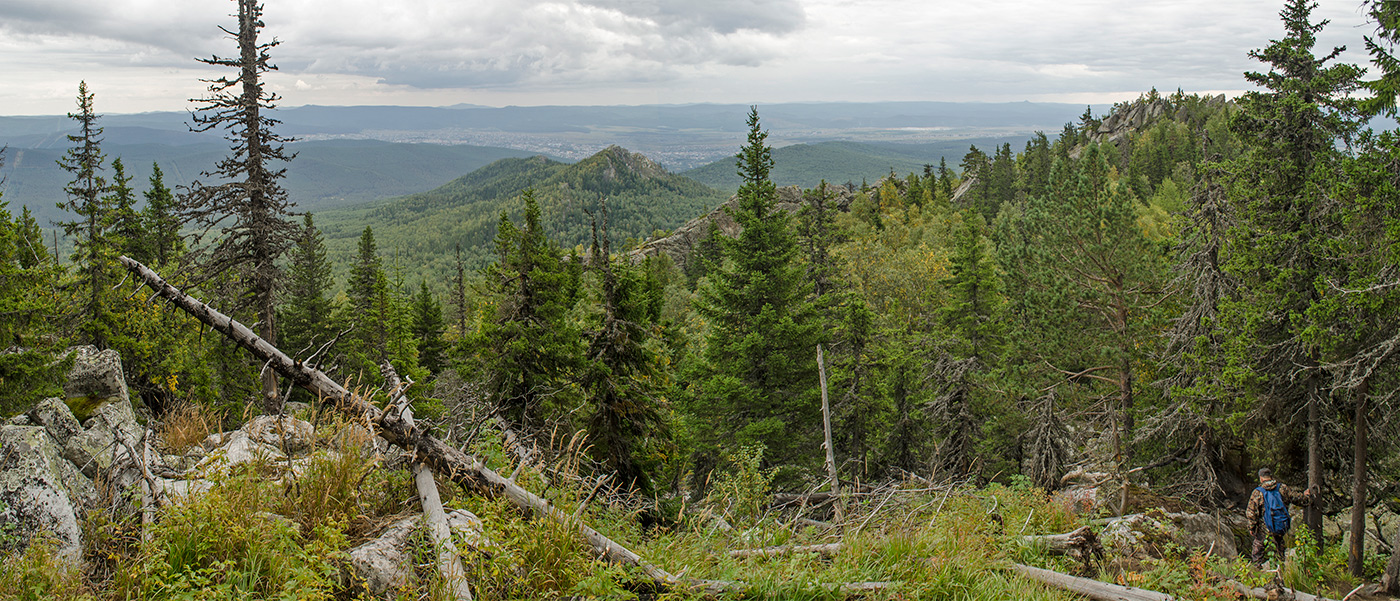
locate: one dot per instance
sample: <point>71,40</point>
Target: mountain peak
<point>616,160</point>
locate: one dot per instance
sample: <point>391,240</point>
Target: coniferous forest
<point>1036,372</point>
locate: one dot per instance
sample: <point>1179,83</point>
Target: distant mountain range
<point>324,174</point>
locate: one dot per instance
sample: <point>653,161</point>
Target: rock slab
<point>43,494</point>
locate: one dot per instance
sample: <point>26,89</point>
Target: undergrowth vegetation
<point>265,532</point>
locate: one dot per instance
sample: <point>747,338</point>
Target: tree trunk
<point>1313,515</point>
<point>1356,558</point>
<point>826,427</point>
<point>1093,589</point>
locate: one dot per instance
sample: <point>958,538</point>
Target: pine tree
<point>249,207</point>
<point>162,224</point>
<point>305,314</point>
<point>760,353</point>
<point>1088,283</point>
<point>94,246</point>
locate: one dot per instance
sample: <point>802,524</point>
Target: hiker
<point>1268,514</point>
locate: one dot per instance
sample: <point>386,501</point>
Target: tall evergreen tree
<point>427,329</point>
<point>760,353</point>
<point>620,376</point>
<point>162,223</point>
<point>94,247</point>
<point>249,207</point>
<point>128,231</point>
<point>305,314</point>
<point>530,347</point>
<point>1291,128</point>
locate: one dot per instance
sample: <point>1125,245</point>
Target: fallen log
<point>826,549</point>
<point>457,466</point>
<point>1278,593</point>
<point>465,470</point>
<point>449,563</point>
<point>1093,589</point>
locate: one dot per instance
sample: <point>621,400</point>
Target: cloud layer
<point>138,53</point>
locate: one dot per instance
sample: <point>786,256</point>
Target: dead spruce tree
<point>247,205</point>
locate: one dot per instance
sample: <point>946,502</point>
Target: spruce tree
<point>758,384</point>
<point>530,347</point>
<point>620,375</point>
<point>305,314</point>
<point>248,206</point>
<point>427,329</point>
<point>128,230</point>
<point>94,246</point>
<point>1278,249</point>
<point>162,223</point>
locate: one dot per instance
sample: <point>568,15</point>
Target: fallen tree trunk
<point>827,549</point>
<point>1093,589</point>
<point>449,563</point>
<point>1263,593</point>
<point>465,470</point>
<point>461,468</point>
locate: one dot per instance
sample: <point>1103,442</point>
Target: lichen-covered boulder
<point>53,414</point>
<point>108,431</point>
<point>1205,532</point>
<point>1159,533</point>
<point>286,433</point>
<point>385,564</point>
<point>43,494</point>
<point>95,380</point>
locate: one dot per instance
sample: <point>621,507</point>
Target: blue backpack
<point>1276,518</point>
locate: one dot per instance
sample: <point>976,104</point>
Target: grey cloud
<point>721,16</point>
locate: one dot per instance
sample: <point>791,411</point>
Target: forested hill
<point>420,231</point>
<point>838,162</point>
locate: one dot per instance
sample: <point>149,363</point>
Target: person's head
<point>1265,475</point>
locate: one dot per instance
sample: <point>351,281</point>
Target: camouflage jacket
<point>1254,513</point>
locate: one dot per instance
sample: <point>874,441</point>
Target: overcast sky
<point>138,55</point>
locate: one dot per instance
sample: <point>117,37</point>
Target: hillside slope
<point>324,175</point>
<point>806,165</point>
<point>421,231</point>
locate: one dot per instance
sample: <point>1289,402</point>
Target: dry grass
<point>188,424</point>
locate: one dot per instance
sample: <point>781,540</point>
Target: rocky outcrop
<point>1157,533</point>
<point>111,428</point>
<point>42,493</point>
<point>682,242</point>
<point>288,434</point>
<point>53,415</point>
<point>95,380</point>
<point>385,564</point>
<point>1139,115</point>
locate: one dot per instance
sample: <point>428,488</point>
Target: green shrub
<point>224,545</point>
<point>38,573</point>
